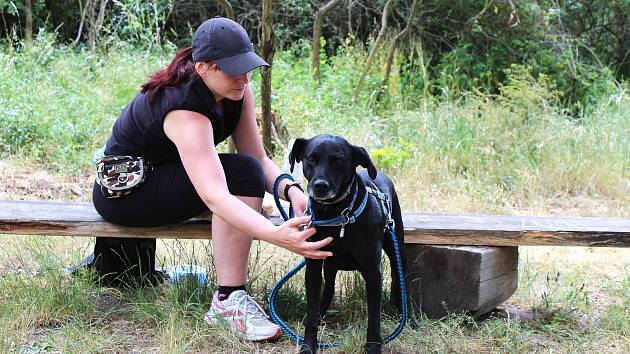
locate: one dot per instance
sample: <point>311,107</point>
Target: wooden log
<point>457,279</point>
<point>80,219</point>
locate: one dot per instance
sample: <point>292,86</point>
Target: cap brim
<point>240,64</point>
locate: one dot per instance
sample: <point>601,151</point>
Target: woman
<point>182,112</point>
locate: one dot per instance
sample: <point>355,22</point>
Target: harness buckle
<point>303,227</point>
<point>345,214</point>
<point>391,224</point>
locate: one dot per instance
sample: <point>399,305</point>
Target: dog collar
<point>347,216</point>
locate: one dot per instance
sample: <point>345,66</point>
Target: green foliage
<point>559,300</point>
<point>484,39</point>
<point>140,22</point>
<point>392,158</point>
<point>12,8</point>
<point>58,104</point>
<point>457,47</point>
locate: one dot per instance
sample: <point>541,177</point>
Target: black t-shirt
<point>139,129</point>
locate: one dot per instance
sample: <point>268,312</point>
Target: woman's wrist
<point>268,234</point>
<point>295,193</point>
<point>290,189</point>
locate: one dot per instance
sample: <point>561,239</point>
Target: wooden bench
<point>456,262</point>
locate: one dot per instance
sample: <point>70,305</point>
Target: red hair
<point>180,68</point>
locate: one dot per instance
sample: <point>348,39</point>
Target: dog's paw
<point>373,348</point>
<point>308,349</point>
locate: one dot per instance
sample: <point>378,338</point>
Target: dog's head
<point>329,162</point>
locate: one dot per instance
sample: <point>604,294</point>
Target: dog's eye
<point>336,160</point>
<point>310,159</point>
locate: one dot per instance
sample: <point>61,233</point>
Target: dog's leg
<point>330,272</point>
<point>313,281</point>
<point>373,288</point>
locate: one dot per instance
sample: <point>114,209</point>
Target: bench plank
<point>80,219</point>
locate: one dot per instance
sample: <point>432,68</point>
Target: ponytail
<point>181,67</point>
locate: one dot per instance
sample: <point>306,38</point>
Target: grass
<point>517,152</point>
<point>569,299</point>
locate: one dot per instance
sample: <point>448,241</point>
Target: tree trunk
<point>96,24</point>
<point>268,42</point>
<point>396,42</point>
<point>29,20</point>
<point>91,20</point>
<point>6,29</point>
<point>317,32</point>
<point>350,30</point>
<point>227,7</point>
<point>374,50</point>
<point>83,11</point>
<point>158,32</point>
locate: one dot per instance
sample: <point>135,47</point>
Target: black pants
<point>165,197</point>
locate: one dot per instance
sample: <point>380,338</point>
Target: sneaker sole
<point>211,321</point>
<point>271,338</point>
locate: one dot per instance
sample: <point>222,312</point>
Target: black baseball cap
<point>226,43</point>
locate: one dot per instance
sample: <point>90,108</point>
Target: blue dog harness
<point>347,216</point>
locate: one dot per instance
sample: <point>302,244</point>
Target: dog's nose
<point>320,187</point>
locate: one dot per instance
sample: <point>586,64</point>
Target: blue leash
<point>340,220</point>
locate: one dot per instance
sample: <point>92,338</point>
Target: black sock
<point>225,291</point>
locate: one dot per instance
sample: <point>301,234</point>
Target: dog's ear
<point>296,151</point>
<point>361,157</point>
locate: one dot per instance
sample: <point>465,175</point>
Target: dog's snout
<point>320,186</point>
<point>321,189</point>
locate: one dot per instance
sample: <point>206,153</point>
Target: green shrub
<point>58,103</point>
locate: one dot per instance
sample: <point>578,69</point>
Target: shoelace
<point>255,310</point>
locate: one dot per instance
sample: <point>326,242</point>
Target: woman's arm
<point>191,132</point>
<point>247,141</point>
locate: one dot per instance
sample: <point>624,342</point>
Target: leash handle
<point>276,196</point>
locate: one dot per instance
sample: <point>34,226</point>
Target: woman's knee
<point>244,175</point>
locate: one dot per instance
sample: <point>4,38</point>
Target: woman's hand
<point>289,236</point>
<point>299,200</point>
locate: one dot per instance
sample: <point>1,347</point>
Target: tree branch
<point>317,31</point>
<point>374,49</point>
<point>396,42</point>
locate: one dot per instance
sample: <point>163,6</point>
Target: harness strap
<point>386,206</point>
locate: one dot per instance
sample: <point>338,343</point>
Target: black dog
<point>329,164</point>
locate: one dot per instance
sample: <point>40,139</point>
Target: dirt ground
<point>21,181</point>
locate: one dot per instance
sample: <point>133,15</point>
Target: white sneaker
<point>243,315</point>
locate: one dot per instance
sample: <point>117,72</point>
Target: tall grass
<point>578,301</point>
<point>479,152</point>
<point>487,152</point>
<point>58,104</point>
